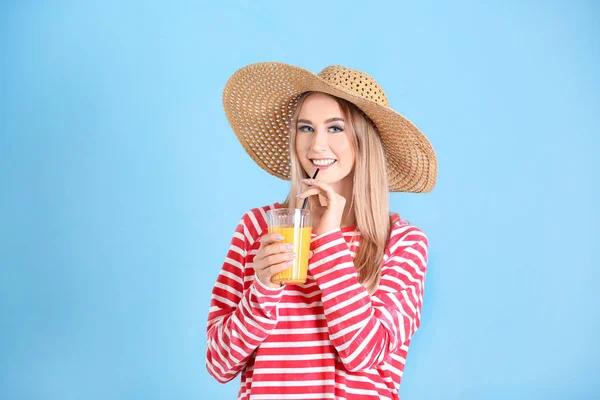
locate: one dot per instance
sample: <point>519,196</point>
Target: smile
<point>323,163</point>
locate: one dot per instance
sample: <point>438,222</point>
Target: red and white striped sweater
<point>327,338</point>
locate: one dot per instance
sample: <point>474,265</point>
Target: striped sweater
<point>327,338</point>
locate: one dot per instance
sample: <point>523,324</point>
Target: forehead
<point>320,105</point>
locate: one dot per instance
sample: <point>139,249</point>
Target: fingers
<point>280,267</point>
<point>265,274</point>
<point>269,247</point>
<point>272,259</point>
<point>276,248</point>
<point>276,259</point>
<point>326,187</point>
<point>269,239</point>
<point>310,192</point>
<point>321,188</point>
<point>318,187</point>
<point>271,251</point>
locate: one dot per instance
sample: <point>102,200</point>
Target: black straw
<point>306,199</point>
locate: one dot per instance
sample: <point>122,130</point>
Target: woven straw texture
<point>260,99</point>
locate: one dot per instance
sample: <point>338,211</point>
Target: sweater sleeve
<point>365,328</point>
<point>238,320</point>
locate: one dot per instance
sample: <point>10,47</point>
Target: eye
<point>336,129</point>
<point>305,128</point>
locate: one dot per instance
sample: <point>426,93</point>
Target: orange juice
<point>300,239</point>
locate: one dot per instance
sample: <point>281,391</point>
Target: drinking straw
<point>306,199</point>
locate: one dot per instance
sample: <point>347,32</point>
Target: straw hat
<point>260,99</point>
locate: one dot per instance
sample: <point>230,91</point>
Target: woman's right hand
<point>272,257</point>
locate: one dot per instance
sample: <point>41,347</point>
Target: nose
<point>319,142</point>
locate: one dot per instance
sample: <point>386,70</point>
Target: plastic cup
<point>295,225</point>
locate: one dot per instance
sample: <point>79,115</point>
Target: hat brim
<point>260,99</point>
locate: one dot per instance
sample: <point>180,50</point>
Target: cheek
<point>344,149</point>
<point>348,158</point>
<point>298,142</point>
<point>301,145</point>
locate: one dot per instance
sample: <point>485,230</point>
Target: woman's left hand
<point>332,217</point>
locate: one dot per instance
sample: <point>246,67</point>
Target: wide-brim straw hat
<point>260,99</point>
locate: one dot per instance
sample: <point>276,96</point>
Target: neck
<point>345,188</point>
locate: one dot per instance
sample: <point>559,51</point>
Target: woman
<point>345,333</point>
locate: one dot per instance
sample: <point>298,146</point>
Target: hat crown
<point>355,82</point>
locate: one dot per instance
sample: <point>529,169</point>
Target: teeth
<point>323,163</point>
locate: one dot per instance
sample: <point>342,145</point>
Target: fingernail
<point>292,256</point>
<point>289,247</point>
<point>289,263</point>
<point>308,180</point>
<point>279,237</point>
<point>299,194</point>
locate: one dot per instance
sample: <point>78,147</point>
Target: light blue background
<point>122,182</point>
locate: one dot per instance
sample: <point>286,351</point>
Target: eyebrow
<point>305,121</point>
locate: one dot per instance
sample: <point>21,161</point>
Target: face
<point>322,141</point>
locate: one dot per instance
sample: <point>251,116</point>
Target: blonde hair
<point>370,189</point>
